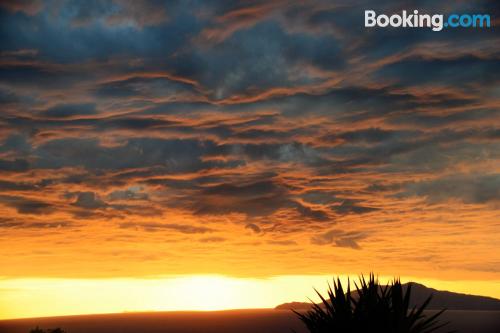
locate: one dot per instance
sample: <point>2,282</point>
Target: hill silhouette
<point>440,300</point>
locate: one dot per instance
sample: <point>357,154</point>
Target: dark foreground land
<point>234,321</point>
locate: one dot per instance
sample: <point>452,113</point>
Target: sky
<point>150,146</point>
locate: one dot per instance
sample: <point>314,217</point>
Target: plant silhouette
<point>370,308</point>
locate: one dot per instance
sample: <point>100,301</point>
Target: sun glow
<point>23,298</point>
<point>50,297</point>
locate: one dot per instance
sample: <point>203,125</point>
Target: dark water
<point>236,321</point>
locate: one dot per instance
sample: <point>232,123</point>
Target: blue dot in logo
<point>446,24</point>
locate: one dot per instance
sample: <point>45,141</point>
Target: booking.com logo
<point>437,21</point>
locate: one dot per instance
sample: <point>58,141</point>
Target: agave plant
<point>370,308</point>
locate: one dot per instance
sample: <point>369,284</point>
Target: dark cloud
<point>339,238</point>
<point>286,152</point>
<point>70,110</point>
<point>174,155</point>
<point>267,54</point>
<point>254,199</point>
<point>381,187</point>
<point>103,29</point>
<point>349,206</point>
<point>17,186</point>
<point>118,12</point>
<point>471,189</point>
<point>21,224</point>
<point>462,71</point>
<point>319,197</point>
<point>370,135</point>
<point>314,214</point>
<point>26,205</point>
<point>89,200</point>
<point>17,165</point>
<point>143,87</point>
<point>128,194</point>
<point>16,144</point>
<point>252,226</point>
<point>30,7</point>
<point>439,120</point>
<point>37,75</point>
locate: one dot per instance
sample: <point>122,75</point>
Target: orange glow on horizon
<point>27,298</point>
<point>210,155</point>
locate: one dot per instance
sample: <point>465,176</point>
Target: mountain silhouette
<point>419,293</point>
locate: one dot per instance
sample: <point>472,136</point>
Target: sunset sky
<point>223,154</point>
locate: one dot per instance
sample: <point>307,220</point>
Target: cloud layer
<point>244,134</point>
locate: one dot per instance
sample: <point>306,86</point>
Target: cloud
<point>29,7</point>
<point>89,200</point>
<point>253,227</point>
<point>468,188</point>
<point>214,239</point>
<point>22,224</point>
<point>143,13</point>
<point>17,165</point>
<point>339,238</point>
<point>174,155</point>
<point>154,227</point>
<point>460,70</point>
<point>370,135</point>
<point>17,186</point>
<point>282,242</point>
<point>265,115</point>
<point>158,86</point>
<point>128,194</point>
<point>349,206</point>
<point>113,13</point>
<point>25,205</point>
<point>70,110</point>
<point>233,19</point>
<point>314,214</point>
<point>254,199</point>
